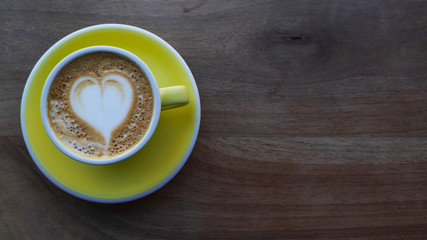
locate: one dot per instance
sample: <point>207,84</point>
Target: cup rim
<point>156,104</point>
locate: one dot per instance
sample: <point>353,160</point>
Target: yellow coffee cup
<point>88,116</point>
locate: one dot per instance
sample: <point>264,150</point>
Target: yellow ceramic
<point>149,169</point>
<point>172,97</point>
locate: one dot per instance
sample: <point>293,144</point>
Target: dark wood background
<point>314,122</point>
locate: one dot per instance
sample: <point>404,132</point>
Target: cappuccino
<point>100,105</point>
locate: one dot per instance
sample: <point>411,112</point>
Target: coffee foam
<point>100,105</point>
<point>103,106</point>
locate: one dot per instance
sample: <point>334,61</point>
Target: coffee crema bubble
<point>100,105</point>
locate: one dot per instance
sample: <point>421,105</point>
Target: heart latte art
<point>100,105</point>
<point>103,105</point>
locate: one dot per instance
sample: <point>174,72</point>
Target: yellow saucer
<point>149,169</point>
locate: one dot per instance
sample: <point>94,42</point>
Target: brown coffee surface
<point>80,136</point>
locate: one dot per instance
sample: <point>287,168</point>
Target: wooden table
<point>314,122</point>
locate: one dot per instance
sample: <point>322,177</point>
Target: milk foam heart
<point>103,105</point>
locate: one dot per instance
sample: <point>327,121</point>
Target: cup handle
<point>173,97</point>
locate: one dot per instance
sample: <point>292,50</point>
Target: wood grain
<point>314,122</point>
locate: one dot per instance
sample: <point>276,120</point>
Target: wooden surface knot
<point>290,38</point>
